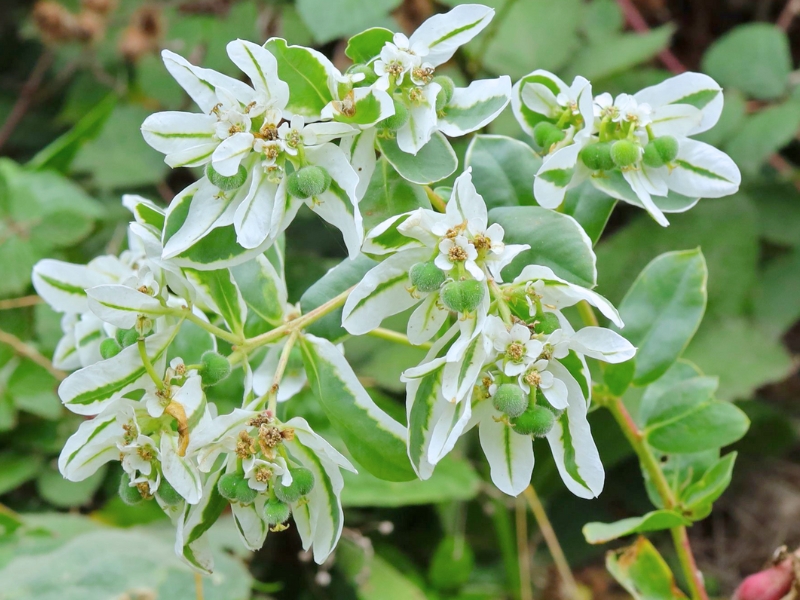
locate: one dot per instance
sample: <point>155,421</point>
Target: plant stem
<point>551,540</point>
<point>523,552</point>
<point>198,586</point>
<point>212,329</point>
<point>396,337</point>
<point>25,97</point>
<point>587,313</point>
<point>502,304</point>
<point>20,302</point>
<point>148,365</point>
<point>437,201</point>
<point>280,369</point>
<point>297,324</point>
<point>31,354</point>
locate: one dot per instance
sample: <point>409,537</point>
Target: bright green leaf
<point>502,170</point>
<point>600,533</point>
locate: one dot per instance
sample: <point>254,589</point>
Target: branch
<point>12,303</point>
<point>25,98</point>
<point>31,354</point>
<point>789,12</point>
<point>635,19</point>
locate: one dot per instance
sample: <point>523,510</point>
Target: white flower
<point>458,250</point>
<point>259,472</point>
<point>516,346</point>
<point>397,58</point>
<point>137,459</point>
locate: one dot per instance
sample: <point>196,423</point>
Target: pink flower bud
<point>770,584</point>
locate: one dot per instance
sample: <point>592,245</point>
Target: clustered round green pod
<point>536,421</point>
<point>214,367</point>
<point>446,94</point>
<point>168,494</point>
<point>130,494</point>
<point>399,118</point>
<point>660,151</point>
<point>126,337</point>
<point>462,296</point>
<point>302,484</point>
<point>109,348</point>
<point>597,157</point>
<point>545,134</point>
<point>510,399</point>
<point>276,512</point>
<point>625,153</point>
<point>426,276</point>
<point>308,182</point>
<point>235,488</point>
<point>226,183</point>
<point>370,76</point>
<point>547,323</point>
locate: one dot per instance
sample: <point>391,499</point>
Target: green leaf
<point>590,207</point>
<point>59,153</point>
<point>222,294</point>
<point>364,46</point>
<point>502,170</point>
<point>264,292</point>
<point>34,391</point>
<point>389,194</point>
<point>763,134</point>
<point>618,377</point>
<point>435,160</point>
<point>753,58</point>
<point>329,20</point>
<point>16,469</point>
<point>700,495</point>
<point>601,533</point>
<point>63,493</point>
<point>683,383</point>
<point>775,306</point>
<point>305,73</point>
<point>453,480</point>
<point>663,309</point>
<point>374,439</point>
<point>642,571</point>
<point>343,276</point>
<point>557,241</point>
<point>616,53</point>
<point>696,427</point>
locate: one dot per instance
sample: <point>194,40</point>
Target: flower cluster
<point>141,330</point>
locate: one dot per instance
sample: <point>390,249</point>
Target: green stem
<point>212,329</point>
<point>587,314</point>
<point>523,551</point>
<point>396,337</point>
<point>502,305</point>
<point>283,361</point>
<point>437,201</point>
<point>297,324</point>
<point>148,366</point>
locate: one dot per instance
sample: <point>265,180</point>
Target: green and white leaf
<point>121,305</point>
<point>433,162</point>
<point>601,533</point>
<point>220,293</point>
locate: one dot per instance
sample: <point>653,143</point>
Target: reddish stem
<point>635,19</point>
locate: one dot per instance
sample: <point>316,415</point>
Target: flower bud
<point>545,134</point>
<point>547,323</point>
<point>462,296</point>
<point>214,367</point>
<point>227,486</point>
<point>399,118</point>
<point>109,348</point>
<point>510,399</point>
<point>129,493</point>
<point>770,584</point>
<point>426,276</point>
<point>276,512</point>
<point>536,421</point>
<point>597,157</point>
<point>370,76</point>
<point>226,184</point>
<point>624,153</point>
<point>303,480</point>
<point>308,181</point>
<point>126,337</point>
<point>167,494</point>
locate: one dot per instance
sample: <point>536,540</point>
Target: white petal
<point>261,67</point>
<point>676,90</point>
<point>602,344</point>
<point>444,33</point>
<point>475,106</point>
<point>540,98</point>
<point>186,138</point>
<point>231,152</point>
<point>253,218</point>
<point>422,121</point>
<point>703,171</point>
<point>556,176</point>
<point>635,180</point>
<point>677,120</point>
<point>179,470</point>
<point>426,320</point>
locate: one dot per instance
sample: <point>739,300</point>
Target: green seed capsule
<point>426,276</point>
<point>109,348</point>
<point>448,87</point>
<point>462,296</point>
<point>168,494</point>
<point>276,512</point>
<point>651,156</point>
<point>226,184</point>
<point>510,399</point>
<point>303,480</point>
<point>214,367</point>
<point>130,494</point>
<point>597,157</point>
<point>536,421</point>
<point>244,493</point>
<point>545,134</point>
<point>308,181</point>
<point>227,486</point>
<point>370,76</point>
<point>624,153</point>
<point>667,147</point>
<point>287,493</point>
<point>126,337</point>
<point>399,118</point>
<point>548,323</point>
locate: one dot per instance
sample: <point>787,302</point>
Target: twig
<point>635,19</point>
<point>397,338</point>
<point>31,354</point>
<point>551,539</point>
<point>20,302</point>
<point>523,552</point>
<point>789,12</point>
<point>198,586</point>
<point>25,98</point>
